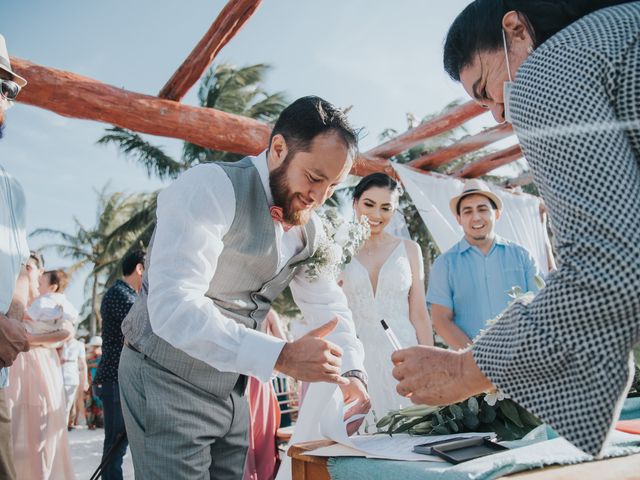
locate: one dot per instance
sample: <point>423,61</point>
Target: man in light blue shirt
<point>13,246</point>
<point>469,283</point>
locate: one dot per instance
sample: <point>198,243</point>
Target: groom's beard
<point>283,196</point>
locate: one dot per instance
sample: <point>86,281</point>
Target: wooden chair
<point>286,389</point>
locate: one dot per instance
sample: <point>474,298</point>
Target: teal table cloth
<point>540,448</point>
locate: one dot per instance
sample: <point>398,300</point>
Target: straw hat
<point>474,187</point>
<point>5,64</point>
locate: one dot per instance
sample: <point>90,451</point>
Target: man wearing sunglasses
<point>14,283</point>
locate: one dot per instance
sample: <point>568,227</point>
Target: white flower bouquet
<point>339,241</point>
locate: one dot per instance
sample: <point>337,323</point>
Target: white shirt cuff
<point>258,354</point>
<point>352,360</point>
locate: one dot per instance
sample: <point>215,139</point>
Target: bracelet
<point>359,374</point>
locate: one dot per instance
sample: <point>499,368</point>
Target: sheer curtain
<point>520,221</point>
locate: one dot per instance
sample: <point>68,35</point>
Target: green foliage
<point>151,157</point>
<point>102,246</point>
<point>509,420</point>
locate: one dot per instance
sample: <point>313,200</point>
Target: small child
<point>51,309</point>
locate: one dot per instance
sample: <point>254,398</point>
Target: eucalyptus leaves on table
<point>487,412</point>
<point>505,417</point>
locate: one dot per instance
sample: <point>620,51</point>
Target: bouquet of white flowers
<point>339,242</point>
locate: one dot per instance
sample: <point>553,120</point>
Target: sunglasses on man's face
<point>9,89</point>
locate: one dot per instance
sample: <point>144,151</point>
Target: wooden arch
<point>76,96</point>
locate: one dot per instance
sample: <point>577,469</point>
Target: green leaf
<point>384,421</point>
<point>470,420</point>
<point>487,413</point>
<point>440,430</point>
<point>408,425</point>
<point>453,426</point>
<point>502,431</point>
<point>472,403</point>
<point>456,412</point>
<point>510,411</point>
<point>528,418</point>
<point>395,421</point>
<point>422,428</point>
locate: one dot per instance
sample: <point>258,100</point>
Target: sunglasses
<point>9,89</point>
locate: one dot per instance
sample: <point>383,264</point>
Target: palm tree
<point>225,87</point>
<point>97,247</point>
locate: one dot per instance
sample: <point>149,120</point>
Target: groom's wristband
<point>359,374</point>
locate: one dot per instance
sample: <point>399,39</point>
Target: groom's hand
<point>312,358</point>
<point>355,391</point>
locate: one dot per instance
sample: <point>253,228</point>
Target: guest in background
<point>52,308</point>
<point>93,404</point>
<point>469,284</point>
<point>116,303</point>
<point>78,411</point>
<point>36,392</point>
<point>13,278</point>
<point>74,372</point>
<point>264,414</point>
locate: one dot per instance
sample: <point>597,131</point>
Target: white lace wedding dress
<point>390,302</point>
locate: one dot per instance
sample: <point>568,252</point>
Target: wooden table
<point>306,467</point>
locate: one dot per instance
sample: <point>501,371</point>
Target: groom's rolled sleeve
<point>320,301</point>
<point>194,214</point>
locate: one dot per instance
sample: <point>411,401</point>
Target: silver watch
<point>359,374</point>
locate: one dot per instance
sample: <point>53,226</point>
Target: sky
<point>382,58</point>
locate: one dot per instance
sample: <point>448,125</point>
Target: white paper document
<point>396,447</point>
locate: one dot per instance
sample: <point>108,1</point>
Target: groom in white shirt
<point>229,238</point>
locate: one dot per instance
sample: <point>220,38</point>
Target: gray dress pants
<point>176,430</point>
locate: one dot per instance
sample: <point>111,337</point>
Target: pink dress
<point>38,417</point>
<point>262,456</point>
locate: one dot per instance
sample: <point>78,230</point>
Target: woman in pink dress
<point>262,456</point>
<point>37,402</point>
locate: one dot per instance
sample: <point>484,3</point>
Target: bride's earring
<point>530,49</point>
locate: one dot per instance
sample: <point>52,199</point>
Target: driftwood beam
<point>490,162</point>
<point>451,119</point>
<point>75,96</point>
<point>366,165</point>
<point>230,20</point>
<point>466,145</point>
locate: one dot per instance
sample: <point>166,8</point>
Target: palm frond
<point>135,147</point>
<point>267,109</point>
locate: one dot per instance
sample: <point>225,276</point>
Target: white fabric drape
<point>520,220</point>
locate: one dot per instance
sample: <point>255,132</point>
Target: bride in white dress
<point>385,280</point>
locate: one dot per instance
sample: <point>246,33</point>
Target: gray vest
<point>244,285</point>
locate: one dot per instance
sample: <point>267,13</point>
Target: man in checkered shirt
<point>567,76</point>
